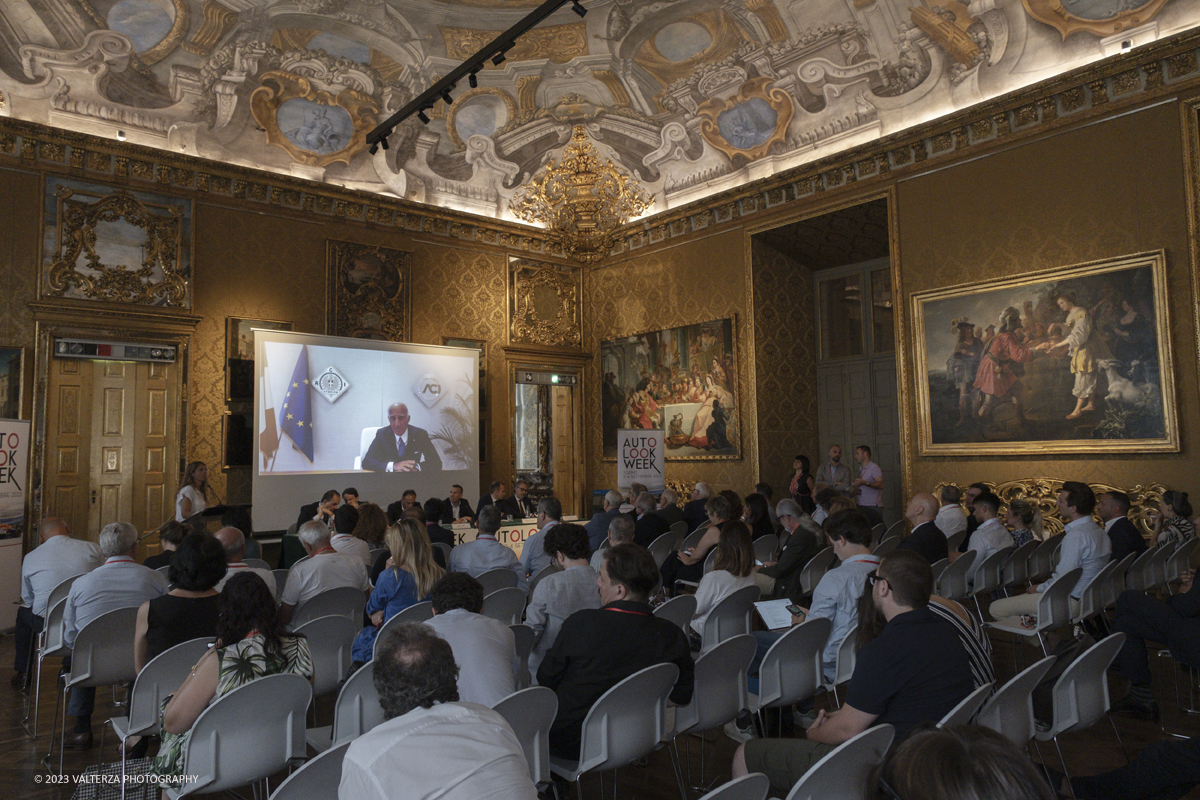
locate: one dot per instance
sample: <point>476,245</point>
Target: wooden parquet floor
<point>1087,752</point>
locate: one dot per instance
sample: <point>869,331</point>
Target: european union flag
<point>295,418</point>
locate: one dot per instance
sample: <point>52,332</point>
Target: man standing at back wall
<point>400,447</point>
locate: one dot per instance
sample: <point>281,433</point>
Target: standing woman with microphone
<point>192,497</point>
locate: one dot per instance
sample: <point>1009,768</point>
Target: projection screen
<point>381,417</point>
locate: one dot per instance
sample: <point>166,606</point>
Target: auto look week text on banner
<point>640,459</point>
<point>14,470</point>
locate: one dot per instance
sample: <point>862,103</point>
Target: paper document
<point>774,613</point>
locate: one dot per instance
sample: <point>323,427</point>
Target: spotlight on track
<point>473,81</point>
<point>446,98</point>
<point>384,140</point>
<point>421,115</point>
<point>578,8</point>
<point>373,149</point>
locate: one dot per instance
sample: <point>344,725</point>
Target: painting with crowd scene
<point>1067,360</point>
<point>682,381</point>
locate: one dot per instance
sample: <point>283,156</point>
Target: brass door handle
<point>93,497</point>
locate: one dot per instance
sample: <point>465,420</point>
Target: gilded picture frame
<point>368,292</point>
<point>12,381</point>
<point>1073,359</point>
<point>674,380</point>
<point>239,354</point>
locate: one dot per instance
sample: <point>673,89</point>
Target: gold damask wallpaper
<point>19,211</point>
<point>1096,192</point>
<point>699,280</point>
<point>785,357</point>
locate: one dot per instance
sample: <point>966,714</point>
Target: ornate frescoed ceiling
<point>691,97</point>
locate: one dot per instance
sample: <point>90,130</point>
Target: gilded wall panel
<point>785,342</point>
<point>697,281</point>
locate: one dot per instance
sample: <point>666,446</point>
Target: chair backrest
<point>791,669</point>
<point>663,545</point>
<point>330,640</point>
<point>256,563</point>
<point>952,583</point>
<point>344,601</point>
<point>679,610</point>
<point>1054,607</point>
<point>247,735</point>
<point>417,612</point>
<point>897,528</point>
<point>679,529</point>
<point>103,650</point>
<point>812,572</point>
<point>52,643</point>
<point>1094,597</point>
<point>720,681</point>
<point>1138,575</point>
<point>530,713</point>
<point>281,576</point>
<point>886,545</point>
<point>1116,580</point>
<point>165,673</point>
<point>938,567</point>
<point>549,569</point>
<point>496,579</point>
<point>989,574</point>
<point>955,540</point>
<point>523,637</point>
<point>1016,571</point>
<point>628,721</point>
<point>1041,560</point>
<point>765,547</point>
<point>965,711</point>
<point>505,605</point>
<point>693,538</point>
<point>376,552</point>
<point>844,771</point>
<point>710,560</point>
<point>847,656</point>
<point>446,550</point>
<point>317,779</point>
<point>61,591</point>
<point>1080,695</point>
<point>357,709</point>
<point>748,787</point>
<point>731,616</point>
<point>1180,561</point>
<point>163,570</point>
<point>1010,711</point>
<point>877,531</point>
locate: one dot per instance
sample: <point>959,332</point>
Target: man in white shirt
<point>120,582</point>
<point>533,554</point>
<point>989,537</point>
<point>344,541</point>
<point>234,543</point>
<point>950,517</point>
<point>431,745</point>
<point>485,649</point>
<point>560,594</point>
<point>57,558</point>
<point>324,569</point>
<point>1084,545</point>
<point>836,596</point>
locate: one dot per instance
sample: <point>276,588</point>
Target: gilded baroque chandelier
<point>581,200</point>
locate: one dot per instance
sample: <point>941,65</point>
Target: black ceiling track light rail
<point>441,90</point>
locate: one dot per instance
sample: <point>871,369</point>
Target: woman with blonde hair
<point>408,580</point>
<point>1024,522</point>
<point>733,568</point>
<point>192,497</point>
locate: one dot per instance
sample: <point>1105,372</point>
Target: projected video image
<point>343,409</point>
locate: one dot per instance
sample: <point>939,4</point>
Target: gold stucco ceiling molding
<point>1043,492</point>
<point>545,304</point>
<point>1055,14</point>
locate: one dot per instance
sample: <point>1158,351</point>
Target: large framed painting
<point>1067,360</point>
<point>682,381</point>
<point>239,354</point>
<point>368,292</point>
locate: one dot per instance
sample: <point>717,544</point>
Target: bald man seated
<point>926,538</point>
<point>400,447</point>
<point>234,543</point>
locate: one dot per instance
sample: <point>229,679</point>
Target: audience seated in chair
<point>801,540</point>
<point>533,555</point>
<point>233,544</point>
<point>733,569</point>
<point>325,569</point>
<point>668,507</point>
<point>1123,535</point>
<point>559,595</point>
<point>1173,524</point>
<point>990,536</point>
<point>950,517</point>
<point>647,525</point>
<point>485,649</point>
<point>926,539</point>
<point>485,553</point>
<point>620,531</point>
<point>598,526</point>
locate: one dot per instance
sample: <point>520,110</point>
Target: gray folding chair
<point>524,636</point>
<point>102,656</point>
<point>330,640</point>
<point>897,528</point>
<point>1016,571</point>
<point>317,779</point>
<point>989,576</point>
<point>812,572</point>
<point>625,724</point>
<point>847,656</point>
<point>505,605</point>
<point>1010,711</point>
<point>1138,575</point>
<point>1041,560</point>
<point>1094,597</point>
<point>710,560</point>
<point>163,570</point>
<point>1116,580</point>
<point>376,552</point>
<point>446,550</point>
<point>955,540</point>
<point>1080,695</point>
<point>748,787</point>
<point>496,579</point>
<point>344,601</point>
<point>877,531</point>
<point>49,644</point>
<point>730,617</point>
<point>1054,610</point>
<point>938,567</point>
<point>530,713</point>
<point>886,545</point>
<point>246,736</point>
<point>165,673</point>
<point>679,610</point>
<point>965,711</point>
<point>844,771</point>
<point>720,690</point>
<point>952,583</point>
<point>356,711</point>
<point>679,529</point>
<point>256,563</point>
<point>1180,562</point>
<point>693,538</point>
<point>765,547</point>
<point>417,612</point>
<point>281,576</point>
<point>549,569</point>
<point>791,670</point>
<point>664,545</point>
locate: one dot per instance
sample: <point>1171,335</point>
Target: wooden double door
<point>111,449</point>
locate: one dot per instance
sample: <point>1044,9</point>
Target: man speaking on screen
<point>400,447</point>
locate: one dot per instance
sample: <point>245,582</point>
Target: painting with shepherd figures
<point>1068,360</point>
<point>682,381</point>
